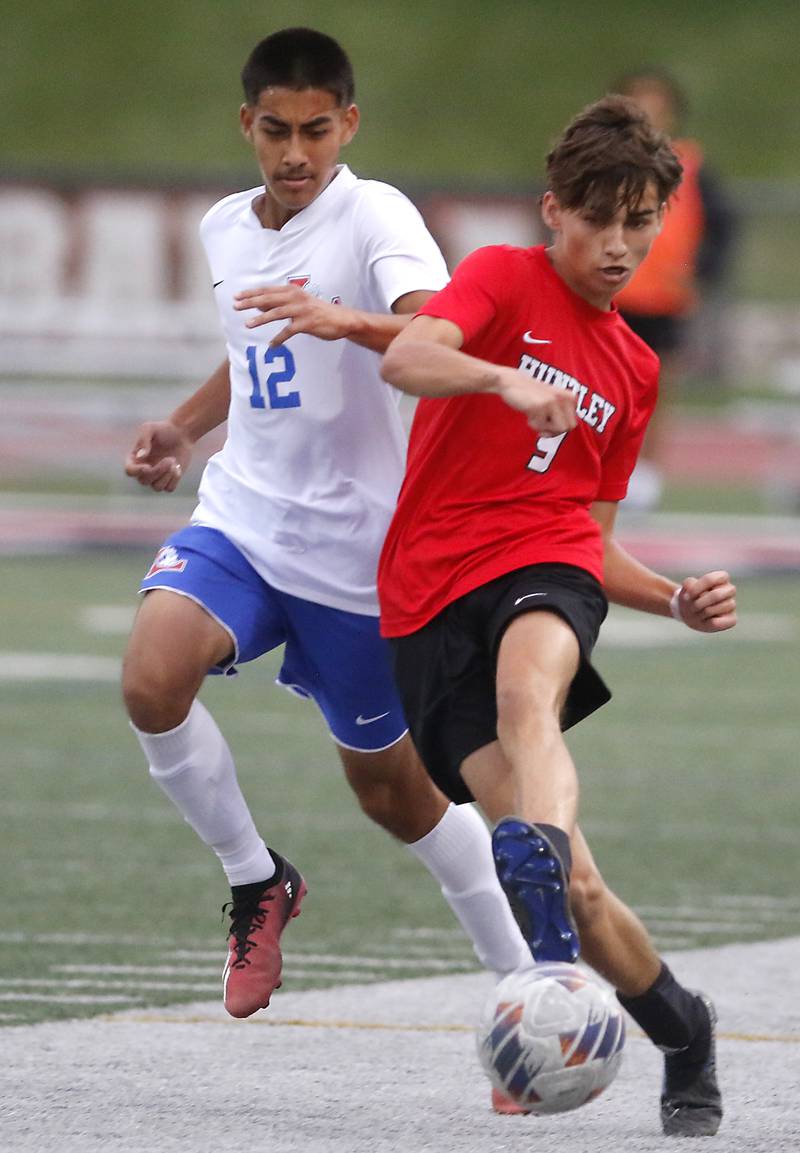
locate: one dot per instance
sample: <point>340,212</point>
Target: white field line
<point>17,937</point>
<point>200,987</point>
<point>619,632</point>
<point>752,900</point>
<point>628,629</point>
<point>142,970</point>
<point>778,909</point>
<point>99,992</point>
<point>105,620</point>
<point>77,983</point>
<point>664,941</point>
<point>21,666</point>
<point>325,959</point>
<point>718,909</point>
<point>203,949</point>
<point>164,815</point>
<point>705,926</point>
<point>426,934</point>
<point>88,811</point>
<point>622,629</point>
<point>417,953</point>
<point>69,999</point>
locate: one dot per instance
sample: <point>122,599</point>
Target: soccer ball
<point>551,1037</point>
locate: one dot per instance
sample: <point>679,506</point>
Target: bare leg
<point>173,644</point>
<point>394,790</point>
<point>613,939</point>
<point>536,663</point>
<point>452,841</point>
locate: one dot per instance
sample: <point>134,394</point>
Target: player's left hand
<point>305,312</point>
<point>708,603</point>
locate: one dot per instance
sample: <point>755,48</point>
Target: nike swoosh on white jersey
<point>519,600</point>
<point>529,339</point>
<point>368,720</point>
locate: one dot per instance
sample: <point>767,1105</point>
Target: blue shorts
<point>336,658</point>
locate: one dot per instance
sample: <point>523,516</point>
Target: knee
<point>153,703</point>
<point>587,895</point>
<point>396,794</point>
<point>525,709</point>
<point>378,799</point>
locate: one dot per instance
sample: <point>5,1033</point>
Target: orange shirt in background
<point>664,283</point>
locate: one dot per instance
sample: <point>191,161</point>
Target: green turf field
<point>690,798</point>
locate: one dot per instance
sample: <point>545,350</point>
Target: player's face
<point>297,137</point>
<point>598,258</point>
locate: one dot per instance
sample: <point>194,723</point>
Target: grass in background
<point>519,70</point>
<point>690,793</point>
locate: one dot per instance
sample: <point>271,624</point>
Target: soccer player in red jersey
<point>498,565</point>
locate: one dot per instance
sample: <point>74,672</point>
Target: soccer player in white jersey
<point>283,545</point>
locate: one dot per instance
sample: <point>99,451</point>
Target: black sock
<point>247,893</point>
<point>671,1016</point>
<point>560,842</point>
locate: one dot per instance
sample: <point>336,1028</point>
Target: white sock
<point>193,765</point>
<point>458,852</point>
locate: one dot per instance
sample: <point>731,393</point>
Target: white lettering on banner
<point>34,241</point>
<point>115,281</point>
<point>126,254</point>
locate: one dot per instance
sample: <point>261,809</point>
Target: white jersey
<point>307,480</point>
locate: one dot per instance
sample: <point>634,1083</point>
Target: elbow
<point>387,365</point>
<point>393,365</point>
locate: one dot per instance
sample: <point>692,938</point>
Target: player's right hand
<point>548,410</point>
<point>160,456</point>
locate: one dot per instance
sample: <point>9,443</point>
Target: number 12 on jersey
<point>284,372</point>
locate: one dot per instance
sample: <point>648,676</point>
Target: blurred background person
<point>687,263</point>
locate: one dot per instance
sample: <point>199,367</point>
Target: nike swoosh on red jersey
<point>529,339</point>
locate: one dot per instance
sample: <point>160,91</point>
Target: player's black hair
<point>606,158</point>
<point>299,58</point>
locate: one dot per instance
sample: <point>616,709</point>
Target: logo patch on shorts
<point>362,720</point>
<point>527,596</point>
<point>167,560</point>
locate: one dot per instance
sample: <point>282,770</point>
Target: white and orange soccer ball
<point>551,1037</point>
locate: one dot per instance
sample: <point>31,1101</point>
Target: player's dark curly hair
<point>299,58</point>
<point>607,156</point>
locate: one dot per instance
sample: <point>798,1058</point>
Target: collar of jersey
<point>339,186</point>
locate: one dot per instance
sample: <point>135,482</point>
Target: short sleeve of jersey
<point>225,212</point>
<point>401,255</point>
<point>476,293</point>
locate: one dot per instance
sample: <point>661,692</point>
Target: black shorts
<point>446,671</point>
<point>665,333</point>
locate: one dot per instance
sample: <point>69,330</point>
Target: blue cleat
<point>533,878</point>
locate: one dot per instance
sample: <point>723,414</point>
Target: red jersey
<point>483,493</point>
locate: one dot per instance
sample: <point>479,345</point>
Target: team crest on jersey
<point>304,282</point>
<point>167,560</point>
